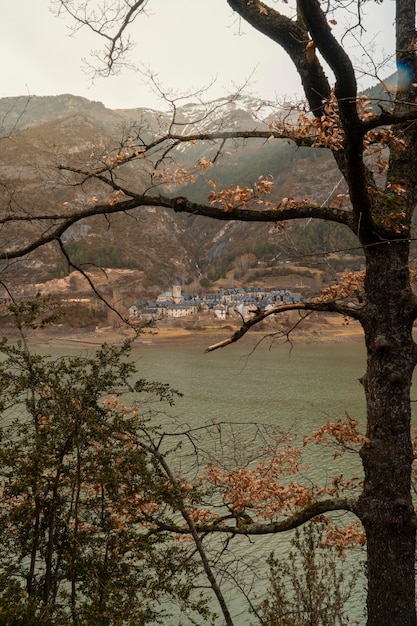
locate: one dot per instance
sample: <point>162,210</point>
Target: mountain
<point>39,133</point>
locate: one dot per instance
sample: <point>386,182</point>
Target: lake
<point>296,390</point>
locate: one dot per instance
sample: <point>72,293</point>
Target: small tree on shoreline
<point>77,490</point>
<point>310,586</point>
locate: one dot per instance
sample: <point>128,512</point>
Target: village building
<point>247,307</point>
<point>183,309</point>
<point>246,301</point>
<point>220,311</point>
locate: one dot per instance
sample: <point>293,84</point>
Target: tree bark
<point>385,506</point>
<point>293,37</point>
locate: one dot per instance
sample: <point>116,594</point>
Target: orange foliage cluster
<point>344,537</point>
<point>169,176</point>
<point>365,108</point>
<point>204,163</point>
<point>111,200</point>
<point>260,489</point>
<point>340,485</point>
<point>343,433</point>
<point>290,203</point>
<point>241,197</point>
<point>118,159</point>
<point>325,131</point>
<point>203,516</point>
<point>125,153</point>
<point>399,190</point>
<point>264,490</point>
<point>350,284</point>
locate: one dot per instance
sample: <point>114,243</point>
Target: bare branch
<point>100,21</point>
<point>94,288</point>
<point>154,451</point>
<point>254,529</point>
<point>331,307</point>
<point>291,210</point>
<point>387,118</point>
<point>293,37</point>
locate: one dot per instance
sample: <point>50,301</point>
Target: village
<point>245,301</point>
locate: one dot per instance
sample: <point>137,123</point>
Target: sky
<point>187,44</point>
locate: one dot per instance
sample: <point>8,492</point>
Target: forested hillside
<point>41,133</point>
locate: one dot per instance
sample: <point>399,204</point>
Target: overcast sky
<point>187,43</point>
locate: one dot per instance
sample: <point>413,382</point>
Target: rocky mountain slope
<point>39,133</point>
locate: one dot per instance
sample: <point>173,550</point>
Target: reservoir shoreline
<point>331,329</point>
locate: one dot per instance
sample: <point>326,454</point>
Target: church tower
<point>176,293</point>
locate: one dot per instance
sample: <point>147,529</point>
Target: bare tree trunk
<point>385,506</point>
